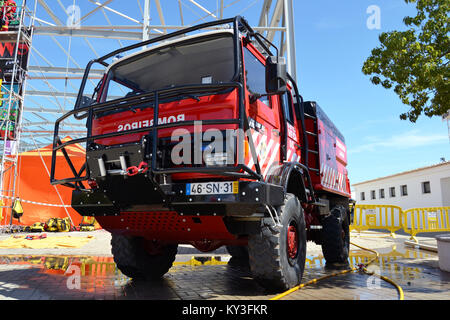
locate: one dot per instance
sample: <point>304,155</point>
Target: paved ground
<point>90,273</point>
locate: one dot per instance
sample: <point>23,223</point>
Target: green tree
<point>415,62</point>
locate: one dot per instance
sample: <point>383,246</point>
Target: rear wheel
<point>238,252</point>
<point>277,255</point>
<point>132,257</point>
<point>336,236</point>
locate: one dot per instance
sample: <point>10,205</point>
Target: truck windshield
<point>205,60</point>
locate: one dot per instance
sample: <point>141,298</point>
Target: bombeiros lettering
<point>149,123</point>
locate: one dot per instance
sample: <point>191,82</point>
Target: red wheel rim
<point>292,241</point>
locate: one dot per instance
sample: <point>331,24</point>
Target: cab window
<point>117,89</point>
<point>255,74</point>
<point>286,101</point>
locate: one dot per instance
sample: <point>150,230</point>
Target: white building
<point>422,187</point>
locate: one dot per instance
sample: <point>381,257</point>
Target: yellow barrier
<point>393,218</point>
<point>384,217</point>
<point>433,219</point>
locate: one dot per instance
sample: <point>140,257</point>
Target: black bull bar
<point>238,25</point>
<point>240,170</point>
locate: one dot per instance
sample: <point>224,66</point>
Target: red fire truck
<point>201,137</point>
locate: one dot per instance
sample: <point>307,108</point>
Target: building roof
<point>404,172</point>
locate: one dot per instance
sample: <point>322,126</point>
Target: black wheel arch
<point>291,176</point>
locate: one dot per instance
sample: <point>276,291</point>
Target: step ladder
<point>314,134</point>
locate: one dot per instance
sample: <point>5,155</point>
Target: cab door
<point>263,112</point>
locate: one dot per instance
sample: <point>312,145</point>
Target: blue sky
<point>332,42</point>
<point>378,142</point>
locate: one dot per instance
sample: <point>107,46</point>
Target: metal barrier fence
<point>385,217</point>
<point>393,218</point>
<point>432,219</point>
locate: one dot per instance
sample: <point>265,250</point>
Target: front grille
<point>154,221</point>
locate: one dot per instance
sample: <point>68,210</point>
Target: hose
<point>362,268</point>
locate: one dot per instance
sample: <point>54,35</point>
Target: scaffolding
<point>100,24</point>
<point>15,41</point>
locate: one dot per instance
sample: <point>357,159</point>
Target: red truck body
<point>275,145</point>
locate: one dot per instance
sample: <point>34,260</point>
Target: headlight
<point>216,159</point>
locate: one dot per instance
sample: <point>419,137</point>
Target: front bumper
<point>138,194</point>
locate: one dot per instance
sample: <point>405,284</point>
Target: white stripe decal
<point>255,137</point>
<point>330,176</point>
<point>333,177</point>
<point>294,157</point>
<point>268,150</point>
<point>272,157</point>
<point>322,171</point>
<point>325,172</point>
<point>338,186</point>
<point>288,155</point>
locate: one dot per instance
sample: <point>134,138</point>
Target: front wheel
<point>133,259</point>
<point>277,255</point>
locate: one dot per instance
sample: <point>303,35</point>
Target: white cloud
<point>407,140</point>
<point>330,24</point>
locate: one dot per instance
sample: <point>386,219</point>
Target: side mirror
<point>276,75</point>
<point>85,102</point>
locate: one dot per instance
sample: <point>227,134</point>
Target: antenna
<point>446,117</point>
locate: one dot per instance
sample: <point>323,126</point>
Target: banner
<point>10,13</point>
<point>11,148</point>
<point>5,126</point>
<point>7,52</point>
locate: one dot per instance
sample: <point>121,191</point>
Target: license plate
<point>231,187</point>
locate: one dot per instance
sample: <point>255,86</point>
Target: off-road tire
<point>238,252</point>
<point>239,256</point>
<point>336,236</point>
<point>269,259</point>
<point>135,262</point>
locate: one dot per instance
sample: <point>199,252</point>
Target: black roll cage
<point>238,24</point>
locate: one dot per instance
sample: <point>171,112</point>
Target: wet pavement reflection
<point>218,277</point>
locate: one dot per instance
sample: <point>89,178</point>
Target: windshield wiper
<point>192,96</point>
